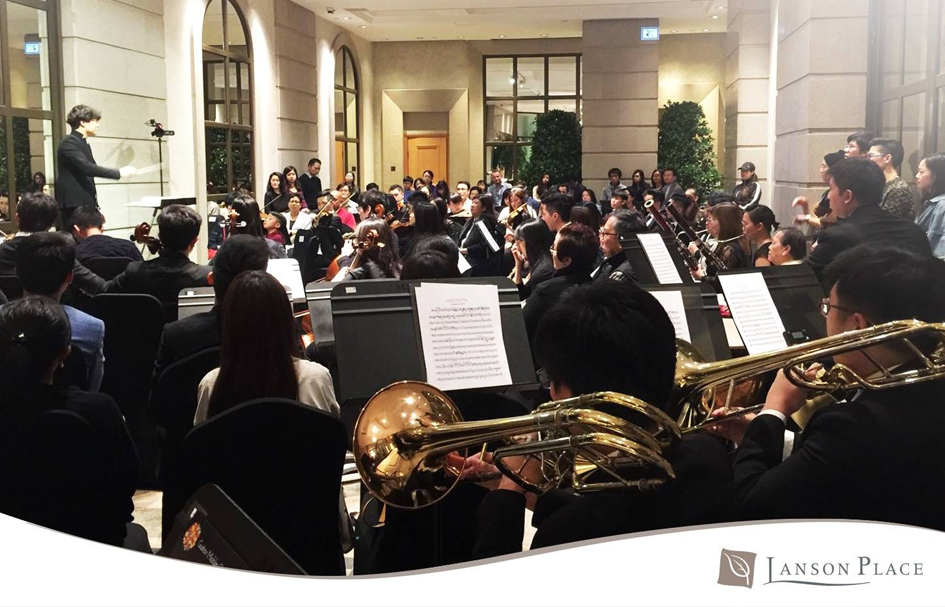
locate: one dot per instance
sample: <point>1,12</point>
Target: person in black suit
<point>478,241</point>
<point>38,212</point>
<point>75,181</point>
<point>187,336</point>
<point>877,455</point>
<point>310,182</point>
<point>620,224</point>
<point>88,225</point>
<point>166,275</point>
<point>608,336</point>
<point>856,189</point>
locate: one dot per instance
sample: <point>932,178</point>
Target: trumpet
<point>701,388</point>
<point>407,432</point>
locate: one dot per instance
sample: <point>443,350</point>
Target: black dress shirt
<point>547,294</point>
<point>162,277</point>
<point>83,278</point>
<point>615,268</point>
<point>101,245</point>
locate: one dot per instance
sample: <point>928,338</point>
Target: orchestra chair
<point>300,247</point>
<point>11,286</point>
<point>281,461</point>
<point>73,372</point>
<point>107,267</point>
<point>133,327</point>
<point>173,403</point>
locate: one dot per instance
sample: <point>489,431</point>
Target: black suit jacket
<point>615,268</point>
<point>878,458</point>
<point>479,253</point>
<point>163,277</point>
<point>82,278</point>
<point>547,294</point>
<point>311,186</point>
<point>867,224</point>
<point>185,337</point>
<point>76,173</point>
<point>701,494</point>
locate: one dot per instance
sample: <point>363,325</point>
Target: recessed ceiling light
<point>705,30</point>
<point>715,16</point>
<point>675,31</point>
<point>544,35</point>
<point>347,18</point>
<point>364,27</point>
<point>721,8</point>
<point>501,35</point>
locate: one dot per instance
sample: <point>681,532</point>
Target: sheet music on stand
<point>461,336</point>
<point>288,273</point>
<point>672,302</point>
<point>660,259</point>
<point>754,312</point>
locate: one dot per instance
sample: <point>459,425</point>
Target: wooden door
<point>424,152</point>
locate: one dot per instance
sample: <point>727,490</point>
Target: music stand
<point>194,300</point>
<point>704,319</point>
<point>796,293</point>
<point>642,267</point>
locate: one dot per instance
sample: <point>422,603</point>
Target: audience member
<point>748,192</point>
<point>670,186</point>
<point>292,185</point>
<point>656,180</point>
<point>897,195</point>
<point>614,176</point>
<point>930,179</point>
<point>311,183</point>
<point>498,187</point>
<point>88,225</point>
<point>245,219</point>
<point>276,189</point>
<point>858,144</point>
<point>821,217</point>
<point>556,211</point>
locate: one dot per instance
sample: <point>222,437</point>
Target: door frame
<point>422,134</point>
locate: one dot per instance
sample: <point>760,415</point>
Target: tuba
<point>410,444</point>
<point>702,387</point>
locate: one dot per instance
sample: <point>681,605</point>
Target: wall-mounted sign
<point>31,48</point>
<point>649,33</point>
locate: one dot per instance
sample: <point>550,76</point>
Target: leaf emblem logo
<point>739,567</point>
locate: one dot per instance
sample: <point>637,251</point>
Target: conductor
<point>75,183</point>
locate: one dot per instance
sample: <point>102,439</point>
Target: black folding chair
<point>107,267</point>
<point>174,401</point>
<point>11,286</point>
<point>133,327</point>
<point>281,461</point>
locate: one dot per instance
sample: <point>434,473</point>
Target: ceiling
<point>403,20</point>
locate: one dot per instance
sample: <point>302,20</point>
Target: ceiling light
<point>501,35</point>
<point>544,35</point>
<point>721,8</point>
<point>713,16</point>
<point>705,30</point>
<point>364,27</point>
<point>675,31</point>
<point>347,18</point>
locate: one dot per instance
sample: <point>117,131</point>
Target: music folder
<point>703,317</point>
<point>797,294</point>
<point>646,274</point>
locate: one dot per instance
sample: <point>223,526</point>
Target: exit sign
<point>31,48</point>
<point>649,33</point>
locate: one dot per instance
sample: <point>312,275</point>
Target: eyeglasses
<point>603,233</point>
<point>826,306</point>
<point>872,155</point>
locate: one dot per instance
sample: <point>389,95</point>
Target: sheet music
<point>488,236</point>
<point>463,264</point>
<point>754,312</point>
<point>288,273</point>
<point>672,302</point>
<point>461,336</point>
<point>663,266</point>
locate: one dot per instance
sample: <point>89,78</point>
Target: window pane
<point>562,75</point>
<point>339,69</point>
<point>339,114</point>
<point>499,121</point>
<point>567,105</point>
<point>213,82</point>
<point>913,134</point>
<point>28,39</point>
<point>499,78</point>
<point>527,112</point>
<point>351,80</point>
<point>893,23</point>
<point>239,93</point>
<point>499,157</point>
<point>213,25</point>
<point>32,151</point>
<point>531,76</point>
<point>352,158</point>
<point>235,34</point>
<point>521,161</point>
<point>216,161</point>
<point>246,115</point>
<point>351,115</point>
<point>917,42</point>
<point>889,119</point>
<point>242,157</point>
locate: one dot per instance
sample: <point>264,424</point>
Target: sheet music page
<point>461,336</point>
<point>463,264</point>
<point>287,272</point>
<point>663,266</point>
<point>672,302</point>
<point>754,312</point>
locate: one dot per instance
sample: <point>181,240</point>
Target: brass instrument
<point>410,443</point>
<point>661,221</point>
<point>694,397</point>
<point>707,252</point>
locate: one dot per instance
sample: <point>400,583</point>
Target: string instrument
<point>660,219</point>
<point>360,247</point>
<point>513,214</point>
<point>142,235</point>
<point>404,218</point>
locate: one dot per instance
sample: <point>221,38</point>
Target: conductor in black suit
<point>75,182</point>
<point>877,455</point>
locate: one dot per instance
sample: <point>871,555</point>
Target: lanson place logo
<point>737,568</point>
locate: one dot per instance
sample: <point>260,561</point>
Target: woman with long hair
<point>638,188</point>
<point>758,224</point>
<point>478,240</point>
<point>375,253</point>
<point>533,264</point>
<point>656,180</point>
<point>930,179</point>
<point>428,221</point>
<point>543,186</point>
<point>724,224</point>
<point>275,199</point>
<point>353,190</point>
<point>259,353</point>
<point>245,218</point>
<point>292,185</point>
<point>442,190</point>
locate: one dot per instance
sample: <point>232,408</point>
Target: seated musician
<point>608,336</point>
<point>325,244</point>
<point>788,247</point>
<point>457,217</point>
<point>376,253</point>
<point>532,254</point>
<point>88,224</point>
<point>165,276</point>
<point>245,218</point>
<point>724,225</point>
<point>657,198</point>
<point>620,224</point>
<point>875,456</point>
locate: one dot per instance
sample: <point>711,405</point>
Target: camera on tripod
<point>158,131</point>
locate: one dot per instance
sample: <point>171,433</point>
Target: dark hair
<point>387,258</point>
<point>395,187</point>
<point>936,165</point>
<point>290,169</point>
<point>239,253</point>
<point>82,113</point>
<point>670,169</point>
<point>560,204</point>
<point>255,362</point>
<point>179,225</point>
<point>891,147</point>
<point>38,212</point>
<point>313,161</point>
<point>682,199</point>
<point>654,173</point>
<point>43,262</point>
<point>657,195</point>
<point>429,264</point>
<point>862,139</point>
<point>716,198</point>
<point>886,283</point>
<point>88,217</point>
<point>371,186</point>
<point>591,193</point>
<point>406,179</point>
<point>538,239</point>
<point>426,219</point>
<point>371,198</point>
<point>425,171</point>
<point>584,216</point>
<point>475,187</point>
<point>247,210</point>
<point>488,205</point>
<point>832,158</point>
<point>442,189</point>
<point>609,336</point>
<point>615,171</point>
<point>641,174</point>
<point>578,243</point>
<point>34,332</point>
<point>418,195</point>
<point>729,216</point>
<point>282,183</point>
<point>765,216</point>
<point>468,185</point>
<point>627,222</point>
<point>862,177</point>
<point>622,193</point>
<point>456,199</point>
<point>794,238</point>
<point>441,243</point>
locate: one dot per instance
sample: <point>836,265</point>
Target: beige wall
<point>296,82</point>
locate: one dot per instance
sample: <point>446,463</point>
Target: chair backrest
<point>173,403</point>
<point>281,461</point>
<point>107,267</point>
<point>11,286</point>
<point>303,238</point>
<point>73,372</point>
<point>133,327</point>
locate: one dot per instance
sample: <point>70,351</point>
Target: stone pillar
<point>822,59</point>
<point>620,100</point>
<point>296,82</point>
<point>746,91</point>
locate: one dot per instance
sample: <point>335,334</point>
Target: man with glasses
<point>620,224</point>
<point>858,144</point>
<point>875,455</point>
<point>887,154</point>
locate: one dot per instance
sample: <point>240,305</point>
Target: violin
<point>142,235</point>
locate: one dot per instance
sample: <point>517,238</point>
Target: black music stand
<point>796,293</point>
<point>705,321</point>
<point>644,269</point>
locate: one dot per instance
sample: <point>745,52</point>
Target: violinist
<point>339,201</point>
<point>295,219</point>
<point>245,218</point>
<point>326,242</point>
<point>375,253</point>
<point>372,204</point>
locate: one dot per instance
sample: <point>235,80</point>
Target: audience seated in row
<point>87,225</point>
